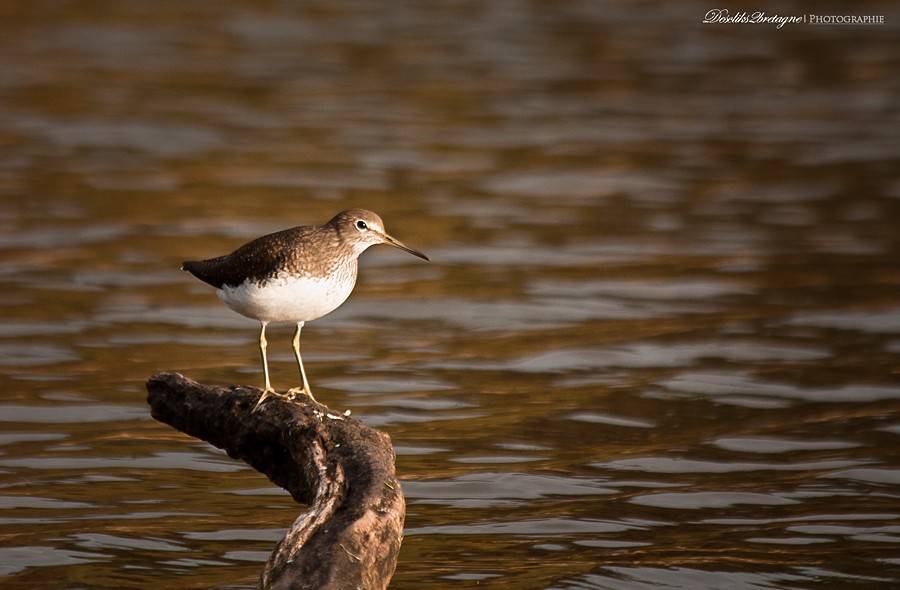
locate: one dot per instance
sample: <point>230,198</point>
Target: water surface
<point>658,346</point>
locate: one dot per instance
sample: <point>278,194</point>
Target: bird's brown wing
<point>256,260</point>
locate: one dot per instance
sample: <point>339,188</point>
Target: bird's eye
<point>361,225</point>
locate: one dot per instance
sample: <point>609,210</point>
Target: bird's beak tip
<point>398,244</point>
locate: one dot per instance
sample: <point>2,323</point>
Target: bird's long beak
<point>398,244</point>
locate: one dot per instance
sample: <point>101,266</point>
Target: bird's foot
<point>295,392</point>
<point>266,394</point>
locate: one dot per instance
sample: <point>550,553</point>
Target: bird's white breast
<point>287,298</point>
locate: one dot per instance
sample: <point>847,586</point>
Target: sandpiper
<point>295,275</point>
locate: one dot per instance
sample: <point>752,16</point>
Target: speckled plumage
<point>308,251</point>
<point>295,275</point>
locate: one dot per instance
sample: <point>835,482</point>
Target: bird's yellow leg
<point>263,344</point>
<point>296,344</point>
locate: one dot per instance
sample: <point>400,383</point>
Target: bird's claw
<point>267,393</point>
<point>294,392</point>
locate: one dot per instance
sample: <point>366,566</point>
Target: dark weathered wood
<point>349,537</point>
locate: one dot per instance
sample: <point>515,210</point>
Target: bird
<point>295,275</point>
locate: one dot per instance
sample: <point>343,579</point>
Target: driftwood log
<point>350,535</point>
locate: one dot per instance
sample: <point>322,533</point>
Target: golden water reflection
<point>657,345</point>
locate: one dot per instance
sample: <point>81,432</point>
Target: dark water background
<point>658,346</point>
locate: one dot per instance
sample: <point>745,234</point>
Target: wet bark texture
<point>349,537</point>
